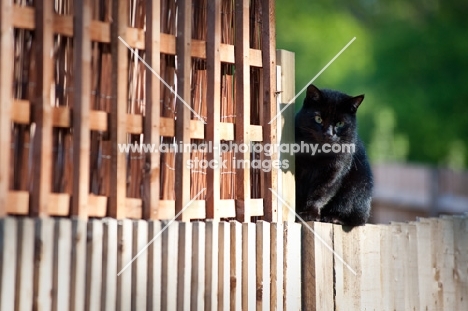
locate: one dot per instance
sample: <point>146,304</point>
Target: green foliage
<point>410,58</point>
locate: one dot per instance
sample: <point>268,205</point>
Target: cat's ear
<point>355,102</point>
<point>313,93</point>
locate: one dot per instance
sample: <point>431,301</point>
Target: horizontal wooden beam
<point>256,133</point>
<point>21,111</point>
<point>17,202</point>
<point>226,131</point>
<point>23,17</point>
<point>97,205</point>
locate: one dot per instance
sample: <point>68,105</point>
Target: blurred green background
<point>410,59</point>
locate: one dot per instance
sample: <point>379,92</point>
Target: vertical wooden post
<point>42,149</point>
<point>182,126</point>
<point>211,265</point>
<point>287,62</point>
<point>81,108</point>
<point>184,266</point>
<point>236,266</point>
<point>242,100</point>
<point>268,106</point>
<point>6,98</point>
<point>118,116</point>
<point>151,177</point>
<point>249,296</point>
<point>262,242</point>
<point>213,65</point>
<point>292,268</point>
<point>8,262</point>
<point>317,282</point>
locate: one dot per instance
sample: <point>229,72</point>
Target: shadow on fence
<point>65,264</point>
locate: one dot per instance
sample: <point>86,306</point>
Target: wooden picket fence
<point>72,264</point>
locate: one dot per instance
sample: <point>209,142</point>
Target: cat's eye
<point>318,119</point>
<point>339,124</point>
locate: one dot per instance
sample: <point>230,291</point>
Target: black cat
<point>334,186</point>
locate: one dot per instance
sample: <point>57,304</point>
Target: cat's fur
<point>332,187</point>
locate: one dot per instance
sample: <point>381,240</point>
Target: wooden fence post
<point>286,60</point>
<point>242,100</point>
<point>263,290</point>
<point>184,266</point>
<point>118,117</point>
<point>8,262</point>
<point>268,107</point>
<point>182,124</point>
<point>236,282</point>
<point>292,270</point>
<point>317,267</point>
<point>42,149</point>
<point>213,66</point>
<point>151,179</point>
<point>81,108</point>
<point>6,98</point>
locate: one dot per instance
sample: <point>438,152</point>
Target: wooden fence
<point>404,190</point>
<point>72,264</point>
<point>71,91</point>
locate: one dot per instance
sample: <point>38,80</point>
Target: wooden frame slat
<point>242,101</point>
<point>6,96</point>
<point>81,109</point>
<point>268,107</point>
<point>182,124</point>
<point>42,150</point>
<point>213,64</point>
<point>118,120</point>
<point>151,177</point>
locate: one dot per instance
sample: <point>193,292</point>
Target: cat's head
<point>327,116</point>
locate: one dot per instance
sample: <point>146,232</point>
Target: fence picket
<point>369,252</point>
<point>43,261</point>
<point>248,267</point>
<point>62,262</point>
<point>184,266</point>
<point>276,261</point>
<point>94,265</point>
<point>109,257</point>
<point>8,247</point>
<point>139,275</point>
<point>460,231</point>
<point>236,282</point>
<point>386,272</point>
<point>25,275</point>
<point>292,270</point>
<point>154,266</point>
<point>124,256</point>
<point>224,279</point>
<point>169,275</point>
<point>198,267</point>
<point>78,266</point>
<point>317,267</point>
<point>210,247</point>
<point>445,261</point>
<point>427,286</point>
<point>263,265</point>
<point>411,267</point>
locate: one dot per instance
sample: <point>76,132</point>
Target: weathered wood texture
<point>86,79</point>
<point>57,264</point>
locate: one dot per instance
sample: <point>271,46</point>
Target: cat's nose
<point>329,132</point>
